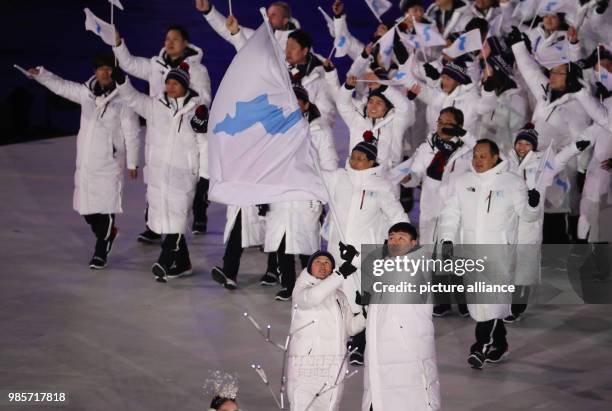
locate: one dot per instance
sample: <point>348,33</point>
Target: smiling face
<point>448,84</point>
<point>277,17</point>
<point>558,78</point>
<point>103,75</point>
<point>483,159</point>
<point>359,161</point>
<point>295,53</point>
<point>377,108</point>
<point>400,243</point>
<point>551,22</point>
<point>174,44</point>
<point>522,148</point>
<point>174,89</point>
<point>321,267</point>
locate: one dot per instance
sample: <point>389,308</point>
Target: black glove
<point>580,179</point>
<point>447,250</point>
<point>602,6</point>
<point>347,252</point>
<point>601,92</point>
<point>362,299</point>
<point>262,209</point>
<point>533,197</point>
<point>590,61</point>
<point>490,83</point>
<point>118,75</point>
<point>411,96</point>
<point>346,269</point>
<point>455,131</point>
<point>431,72</point>
<point>582,144</point>
<point>515,36</point>
<point>199,121</point>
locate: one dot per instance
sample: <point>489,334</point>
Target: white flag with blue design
<point>328,21</point>
<point>429,35</point>
<point>385,51</point>
<point>258,141</point>
<point>553,55</point>
<point>605,77</point>
<point>103,29</point>
<point>116,3</point>
<point>465,43</point>
<point>378,7</point>
<point>548,7</point>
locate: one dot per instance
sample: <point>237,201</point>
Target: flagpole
<point>536,15</point>
<point>112,22</point>
<point>599,71</point>
<point>331,53</point>
<point>423,49</point>
<point>230,8</point>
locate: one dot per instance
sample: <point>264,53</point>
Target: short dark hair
<point>182,31</point>
<point>493,147</point>
<point>457,114</point>
<point>404,227</point>
<point>285,6</point>
<point>302,37</point>
<point>477,23</point>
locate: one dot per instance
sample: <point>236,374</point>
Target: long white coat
<point>108,132</point>
<point>252,225</point>
<point>172,168</point>
<point>316,352</point>
<point>485,208</point>
<point>366,207</point>
<point>401,371</point>
<point>389,130</point>
<point>433,191</point>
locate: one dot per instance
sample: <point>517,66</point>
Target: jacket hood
<point>371,179</point>
<point>192,54</point>
<point>489,174</point>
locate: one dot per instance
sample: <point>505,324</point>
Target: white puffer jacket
<point>316,351</point>
<point>174,157</point>
<point>108,132</point>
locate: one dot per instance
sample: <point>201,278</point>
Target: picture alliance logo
<point>411,266</point>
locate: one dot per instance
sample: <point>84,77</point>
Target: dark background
<point>51,33</point>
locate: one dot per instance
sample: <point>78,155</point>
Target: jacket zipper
<point>489,204</point>
<point>362,197</point>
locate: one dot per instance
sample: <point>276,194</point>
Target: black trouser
<point>358,341</point>
<point>286,265</point>
<point>555,228</point>
<point>174,251</point>
<point>519,299</point>
<point>147,219</point>
<point>200,201</point>
<point>444,300</point>
<point>102,226</point>
<point>233,252</point>
<point>489,334</point>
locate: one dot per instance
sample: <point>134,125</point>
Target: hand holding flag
<point>101,28</point>
<point>465,43</point>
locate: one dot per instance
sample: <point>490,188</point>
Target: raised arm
<point>139,102</point>
<point>307,297</point>
<point>70,90</point>
<point>136,66</point>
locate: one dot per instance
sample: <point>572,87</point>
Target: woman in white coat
<point>384,118</point>
<point>534,167</point>
<point>365,205</point>
<point>108,132</point>
<point>321,323</point>
<point>484,206</point>
<point>177,49</point>
<point>177,124</point>
<point>401,370</point>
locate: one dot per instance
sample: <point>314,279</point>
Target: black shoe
<point>159,272</point>
<point>198,228</point>
<point>514,318</point>
<point>441,310</point>
<point>496,355</point>
<point>283,295</point>
<point>230,284</point>
<point>269,279</point>
<point>463,310</point>
<point>356,359</point>
<point>176,272</point>
<point>97,263</point>
<point>218,275</point>
<point>149,237</point>
<point>476,360</point>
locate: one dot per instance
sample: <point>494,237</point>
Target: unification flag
<point>553,55</point>
<point>329,22</point>
<point>556,6</point>
<point>385,44</point>
<point>116,3</point>
<point>378,7</point>
<point>429,35</point>
<point>465,43</point>
<point>99,27</point>
<point>258,145</point>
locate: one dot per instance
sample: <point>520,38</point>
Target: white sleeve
<point>130,127</point>
<point>136,66</point>
<point>564,156</point>
<point>139,102</point>
<point>326,150</point>
<point>359,66</point>
<point>217,22</point>
<point>344,103</point>
<point>353,324</point>
<point>200,81</point>
<point>310,297</point>
<point>354,46</point>
<point>521,205</point>
<point>450,217</point>
<point>596,110</point>
<point>202,140</point>
<point>391,206</point>
<point>70,90</point>
<point>530,70</point>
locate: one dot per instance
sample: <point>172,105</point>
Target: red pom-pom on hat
<point>184,66</point>
<point>368,136</point>
<point>529,126</point>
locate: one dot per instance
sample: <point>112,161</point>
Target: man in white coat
<point>401,370</point>
<point>177,49</point>
<point>484,206</point>
<point>108,134</point>
<point>177,125</point>
<point>321,321</point>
